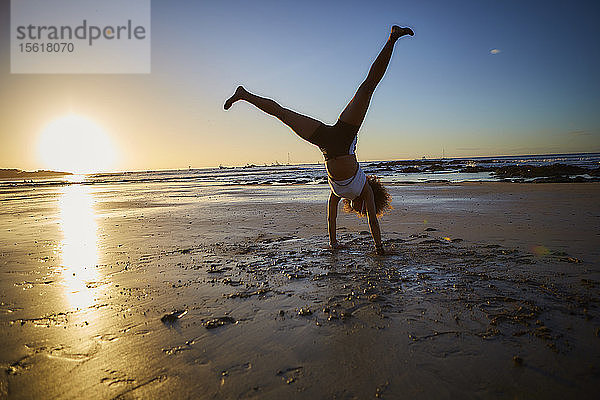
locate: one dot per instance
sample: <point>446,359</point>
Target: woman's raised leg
<point>302,125</point>
<point>355,111</point>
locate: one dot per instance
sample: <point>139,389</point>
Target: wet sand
<point>488,290</point>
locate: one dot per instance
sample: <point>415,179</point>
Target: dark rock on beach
<point>220,321</point>
<point>173,317</point>
<point>475,169</point>
<point>531,171</point>
<point>409,170</point>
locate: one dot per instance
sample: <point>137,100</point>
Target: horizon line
<point>276,163</point>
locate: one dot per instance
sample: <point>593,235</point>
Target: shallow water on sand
<point>89,271</point>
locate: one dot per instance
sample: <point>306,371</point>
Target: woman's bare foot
<point>398,32</point>
<point>238,95</point>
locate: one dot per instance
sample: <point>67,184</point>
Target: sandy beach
<point>488,290</point>
<point>169,173</point>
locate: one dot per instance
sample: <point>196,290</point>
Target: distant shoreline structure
<point>13,173</point>
<point>424,158</point>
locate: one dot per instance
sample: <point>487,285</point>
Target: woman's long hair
<point>382,199</point>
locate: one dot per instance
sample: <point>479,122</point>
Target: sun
<point>76,144</point>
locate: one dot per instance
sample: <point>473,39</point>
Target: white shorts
<point>349,188</point>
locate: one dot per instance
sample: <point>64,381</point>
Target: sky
<point>479,78</point>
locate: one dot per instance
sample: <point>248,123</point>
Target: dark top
<point>335,140</point>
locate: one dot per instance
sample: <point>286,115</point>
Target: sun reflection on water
<point>79,245</point>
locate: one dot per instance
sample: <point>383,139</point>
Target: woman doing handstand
<point>363,195</point>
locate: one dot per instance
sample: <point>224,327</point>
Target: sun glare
<point>76,144</point>
<point>79,251</point>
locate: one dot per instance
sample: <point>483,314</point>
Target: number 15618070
<point>64,47</point>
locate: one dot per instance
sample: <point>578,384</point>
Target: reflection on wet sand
<point>79,247</point>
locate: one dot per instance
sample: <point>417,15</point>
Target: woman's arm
<point>332,208</point>
<point>372,217</point>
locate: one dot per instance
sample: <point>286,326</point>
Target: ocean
<point>569,166</point>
